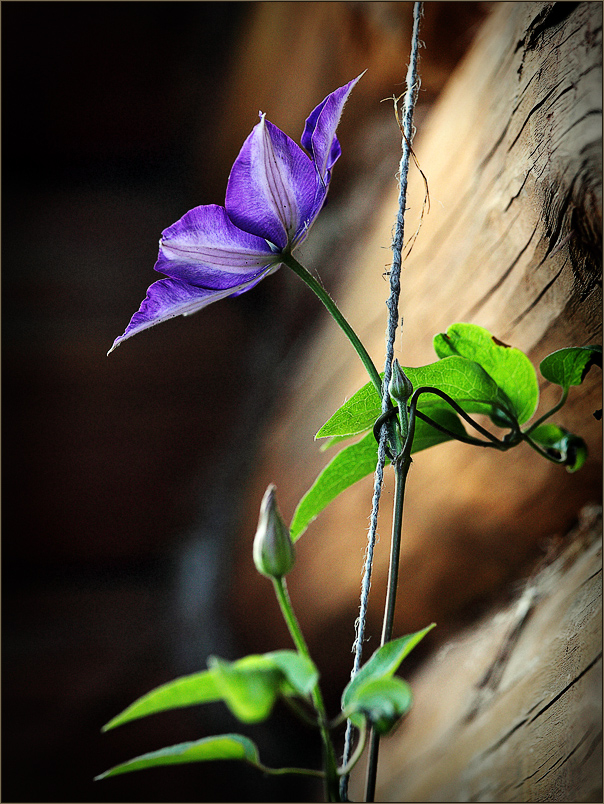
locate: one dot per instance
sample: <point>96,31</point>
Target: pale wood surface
<point>511,710</point>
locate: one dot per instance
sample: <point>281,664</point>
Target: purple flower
<point>274,193</point>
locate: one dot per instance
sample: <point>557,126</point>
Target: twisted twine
<point>412,82</point>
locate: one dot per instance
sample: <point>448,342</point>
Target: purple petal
<point>205,237</point>
<point>201,276</point>
<point>170,297</point>
<point>273,190</point>
<point>319,137</point>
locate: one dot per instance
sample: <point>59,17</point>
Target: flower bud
<point>274,554</point>
<point>401,387</point>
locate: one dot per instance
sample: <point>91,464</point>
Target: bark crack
<point>568,686</point>
<point>560,761</point>
<point>502,278</point>
<point>549,17</point>
<point>536,301</point>
<point>535,108</point>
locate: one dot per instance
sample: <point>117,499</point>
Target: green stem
<point>401,469</point>
<point>331,772</point>
<point>300,713</point>
<point>345,769</point>
<point>333,310</point>
<point>542,452</point>
<point>476,442</point>
<point>282,771</point>
<point>549,413</point>
<point>426,389</point>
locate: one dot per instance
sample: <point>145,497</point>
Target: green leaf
<point>561,444</point>
<point>262,677</point>
<point>185,691</point>
<point>356,415</point>
<point>333,441</point>
<point>222,746</point>
<point>383,701</point>
<point>463,380</point>
<point>250,693</point>
<point>300,672</point>
<point>426,436</point>
<point>383,664</point>
<point>353,463</point>
<point>568,367</point>
<point>250,686</point>
<point>356,461</point>
<point>510,368</point>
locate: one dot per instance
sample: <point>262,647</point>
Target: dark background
<point>121,475</point>
<point>106,107</point>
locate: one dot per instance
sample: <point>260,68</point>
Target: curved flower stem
<point>392,412</point>
<point>541,451</point>
<point>331,771</point>
<point>494,442</point>
<point>333,310</point>
<point>401,469</point>
<point>345,769</point>
<point>476,442</point>
<point>425,389</point>
<point>549,413</point>
<point>300,713</point>
<point>282,771</point>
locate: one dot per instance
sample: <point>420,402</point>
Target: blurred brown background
<point>125,477</point>
<point>122,475</point>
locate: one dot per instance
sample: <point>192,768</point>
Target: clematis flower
<point>274,193</point>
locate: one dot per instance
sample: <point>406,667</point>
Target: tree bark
<point>511,710</point>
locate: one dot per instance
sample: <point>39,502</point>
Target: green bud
<point>274,554</point>
<point>401,387</point>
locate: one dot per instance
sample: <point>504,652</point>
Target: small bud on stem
<point>401,390</point>
<point>273,551</point>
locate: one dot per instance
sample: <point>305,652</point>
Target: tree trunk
<point>512,709</point>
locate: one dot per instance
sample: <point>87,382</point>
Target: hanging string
<point>412,82</point>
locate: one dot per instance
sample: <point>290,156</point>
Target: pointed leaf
<point>384,663</point>
<point>463,380</point>
<point>510,368</point>
<point>251,685</point>
<point>300,673</point>
<point>568,367</point>
<point>249,690</point>
<point>284,672</point>
<point>383,701</point>
<point>223,746</point>
<point>356,415</point>
<point>353,463</point>
<point>185,691</point>
<point>356,461</point>
<point>571,449</point>
<point>332,442</point>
